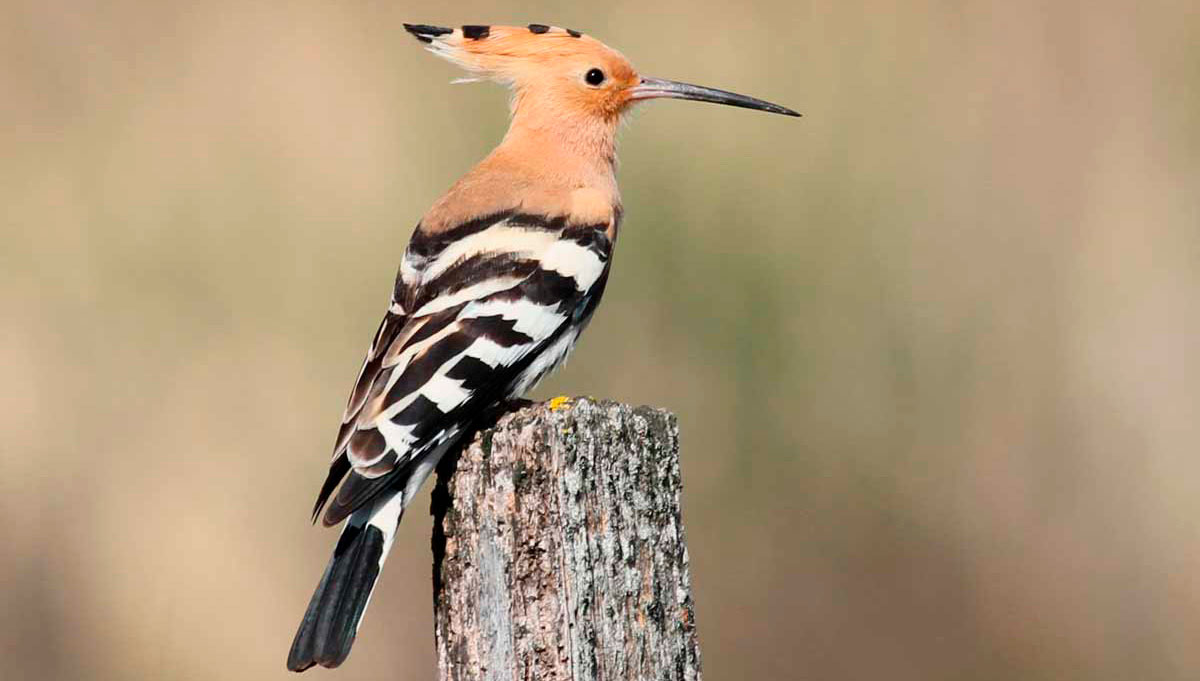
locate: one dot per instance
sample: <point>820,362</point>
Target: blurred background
<point>933,347</point>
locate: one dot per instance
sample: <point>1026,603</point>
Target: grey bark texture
<point>559,551</point>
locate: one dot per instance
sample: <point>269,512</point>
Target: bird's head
<point>564,72</point>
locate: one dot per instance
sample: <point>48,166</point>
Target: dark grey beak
<point>653,88</point>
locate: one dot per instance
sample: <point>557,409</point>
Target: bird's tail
<point>337,606</point>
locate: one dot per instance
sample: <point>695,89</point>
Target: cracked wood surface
<point>559,551</point>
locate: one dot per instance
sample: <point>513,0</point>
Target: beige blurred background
<point>933,347</point>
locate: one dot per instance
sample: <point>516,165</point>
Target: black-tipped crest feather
<point>426,33</point>
<point>476,32</point>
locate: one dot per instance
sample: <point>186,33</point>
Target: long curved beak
<point>654,88</point>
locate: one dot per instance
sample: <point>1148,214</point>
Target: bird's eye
<point>594,77</point>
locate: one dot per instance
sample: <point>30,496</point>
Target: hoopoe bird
<point>499,279</point>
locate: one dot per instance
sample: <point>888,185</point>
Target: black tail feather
<point>327,630</point>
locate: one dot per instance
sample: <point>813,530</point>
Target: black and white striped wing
<point>479,315</point>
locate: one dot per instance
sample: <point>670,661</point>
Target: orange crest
<point>554,65</point>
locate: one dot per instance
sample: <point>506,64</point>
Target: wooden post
<point>559,552</point>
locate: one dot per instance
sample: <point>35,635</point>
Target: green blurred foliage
<point>932,347</point>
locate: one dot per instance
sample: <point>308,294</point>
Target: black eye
<point>594,77</point>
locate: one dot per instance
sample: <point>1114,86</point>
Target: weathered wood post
<point>559,551</point>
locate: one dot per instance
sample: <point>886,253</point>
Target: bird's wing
<point>479,313</point>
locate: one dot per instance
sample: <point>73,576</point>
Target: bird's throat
<point>581,146</point>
